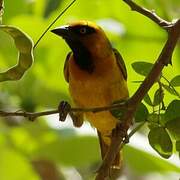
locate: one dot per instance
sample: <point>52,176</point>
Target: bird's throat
<point>82,56</point>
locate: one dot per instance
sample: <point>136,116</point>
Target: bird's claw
<point>64,108</point>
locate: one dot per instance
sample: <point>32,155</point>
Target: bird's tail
<point>117,163</point>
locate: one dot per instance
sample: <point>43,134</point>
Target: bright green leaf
<point>158,97</point>
<point>172,111</point>
<point>24,44</point>
<point>144,163</point>
<point>174,128</point>
<point>141,113</point>
<point>15,166</point>
<point>175,81</point>
<point>71,150</point>
<point>160,141</point>
<point>142,68</point>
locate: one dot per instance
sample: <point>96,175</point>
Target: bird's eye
<point>83,30</point>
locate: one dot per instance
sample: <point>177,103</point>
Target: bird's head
<point>85,35</point>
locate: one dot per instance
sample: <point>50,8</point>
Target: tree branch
<point>32,116</point>
<point>150,14</point>
<point>120,133</point>
<point>163,60</point>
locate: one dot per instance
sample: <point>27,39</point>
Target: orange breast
<point>100,88</point>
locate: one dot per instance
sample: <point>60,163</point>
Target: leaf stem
<point>53,23</point>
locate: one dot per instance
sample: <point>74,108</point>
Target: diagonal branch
<point>173,30</point>
<point>150,14</point>
<point>134,101</point>
<point>163,60</point>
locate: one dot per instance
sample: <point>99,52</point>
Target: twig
<point>53,22</point>
<point>150,14</point>
<point>139,126</point>
<point>33,116</point>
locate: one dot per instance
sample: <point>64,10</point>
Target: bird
<point>97,77</point>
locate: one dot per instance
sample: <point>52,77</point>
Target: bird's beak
<point>62,31</point>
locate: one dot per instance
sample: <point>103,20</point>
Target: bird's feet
<point>65,109</point>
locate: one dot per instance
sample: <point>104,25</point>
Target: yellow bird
<point>97,77</point>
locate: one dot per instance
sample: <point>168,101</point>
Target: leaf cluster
<point>163,121</point>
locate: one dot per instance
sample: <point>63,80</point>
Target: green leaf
<point>141,113</point>
<point>174,128</point>
<point>171,90</point>
<point>118,113</point>
<point>173,111</point>
<point>24,44</point>
<point>147,99</point>
<point>178,146</point>
<point>153,118</point>
<point>143,163</point>
<point>158,97</point>
<point>160,141</point>
<point>175,81</point>
<point>10,160</point>
<point>71,150</point>
<point>137,81</point>
<point>142,68</point>
<point>51,6</point>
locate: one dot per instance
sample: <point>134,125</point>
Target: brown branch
<point>119,134</point>
<point>163,60</point>
<point>32,116</point>
<point>150,14</point>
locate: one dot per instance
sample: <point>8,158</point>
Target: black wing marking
<point>66,69</point>
<point>120,63</point>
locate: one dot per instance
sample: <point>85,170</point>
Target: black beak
<point>62,31</point>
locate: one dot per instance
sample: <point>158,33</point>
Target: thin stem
<point>53,23</point>
<point>35,115</point>
<point>150,14</point>
<point>170,85</point>
<point>139,126</point>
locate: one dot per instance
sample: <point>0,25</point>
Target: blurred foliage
<point>137,38</point>
<point>25,57</point>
